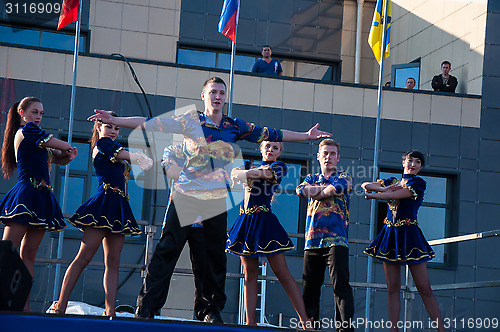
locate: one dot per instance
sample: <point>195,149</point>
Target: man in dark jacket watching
<point>445,82</point>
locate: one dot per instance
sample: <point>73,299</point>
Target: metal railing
<point>408,289</point>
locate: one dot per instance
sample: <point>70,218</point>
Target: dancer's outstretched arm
<point>312,134</point>
<point>127,122</point>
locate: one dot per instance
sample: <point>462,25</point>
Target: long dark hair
<point>13,123</point>
<point>95,131</point>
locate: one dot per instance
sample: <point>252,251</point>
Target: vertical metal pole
<point>408,296</point>
<point>375,163</point>
<point>231,82</point>
<point>55,295</point>
<point>359,33</point>
<point>231,76</point>
<point>263,284</point>
<point>241,304</point>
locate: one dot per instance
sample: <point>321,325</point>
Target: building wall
<point>438,30</point>
<point>487,205</point>
<point>349,27</point>
<point>137,29</point>
<point>291,27</point>
<point>429,29</point>
<point>433,30</point>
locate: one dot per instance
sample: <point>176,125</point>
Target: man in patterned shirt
<point>201,190</point>
<point>326,240</point>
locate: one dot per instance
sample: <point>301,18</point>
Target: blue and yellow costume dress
<point>257,231</point>
<point>109,208</point>
<point>401,240</point>
<point>31,201</point>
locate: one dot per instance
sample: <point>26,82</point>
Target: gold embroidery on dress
<point>43,141</point>
<point>41,184</point>
<point>120,192</point>
<point>255,209</point>
<point>113,159</point>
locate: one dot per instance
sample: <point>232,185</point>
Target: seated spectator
<point>267,65</point>
<point>410,83</point>
<point>445,82</point>
<point>388,84</point>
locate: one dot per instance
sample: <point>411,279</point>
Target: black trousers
<point>209,256</point>
<point>337,260</point>
<point>196,242</point>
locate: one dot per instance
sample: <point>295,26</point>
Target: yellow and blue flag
<point>375,37</point>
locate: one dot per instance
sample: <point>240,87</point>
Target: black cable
<point>132,71</point>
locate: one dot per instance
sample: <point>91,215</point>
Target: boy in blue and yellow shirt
<point>326,235</point>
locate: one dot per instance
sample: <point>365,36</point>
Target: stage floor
<point>32,322</point>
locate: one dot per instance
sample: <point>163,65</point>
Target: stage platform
<point>32,322</point>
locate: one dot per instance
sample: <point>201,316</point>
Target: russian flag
<point>229,19</point>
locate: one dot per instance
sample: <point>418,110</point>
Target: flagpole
<point>55,295</point>
<point>231,78</point>
<point>375,163</point>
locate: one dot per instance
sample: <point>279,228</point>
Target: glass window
<point>436,189</point>
<point>19,36</point>
<point>314,71</point>
<point>241,62</point>
<point>286,208</point>
<point>288,67</point>
<point>80,164</point>
<point>61,41</point>
<point>75,193</point>
<point>401,72</point>
<point>34,23</point>
<point>196,58</point>
<point>135,189</point>
<point>432,222</point>
<point>222,60</point>
<point>31,37</point>
<point>290,182</point>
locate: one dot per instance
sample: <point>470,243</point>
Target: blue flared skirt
<point>401,245</point>
<point>256,235</point>
<point>30,206</point>
<point>106,210</point>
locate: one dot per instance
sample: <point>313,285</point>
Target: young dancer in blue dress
<point>30,208</point>
<point>401,241</point>
<point>257,232</point>
<point>106,217</point>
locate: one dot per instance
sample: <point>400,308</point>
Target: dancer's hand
<point>143,161</point>
<point>314,133</point>
<point>72,153</point>
<point>101,115</point>
<point>236,176</point>
<point>329,190</point>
